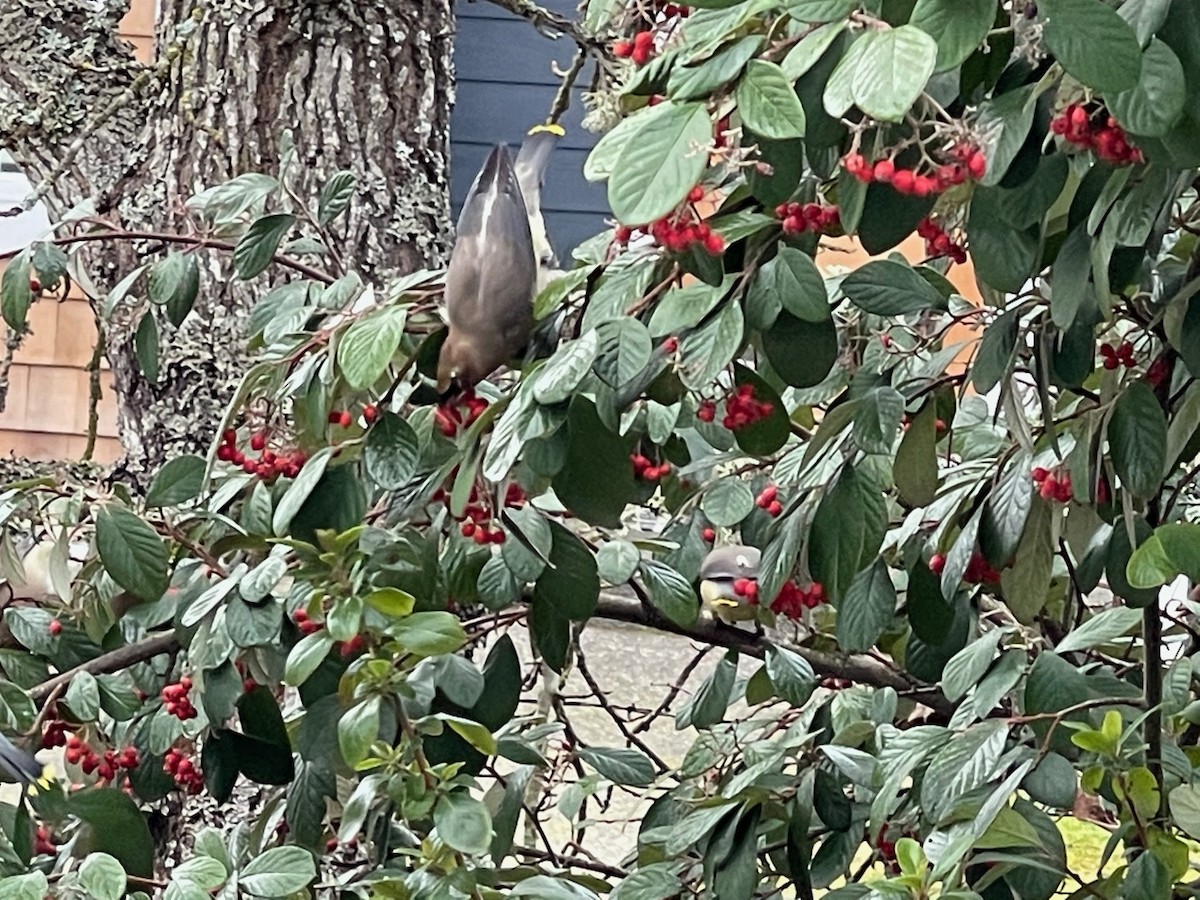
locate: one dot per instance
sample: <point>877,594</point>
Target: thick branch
<point>861,669</point>
<point>114,661</point>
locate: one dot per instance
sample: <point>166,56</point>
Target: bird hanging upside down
<point>502,257</point>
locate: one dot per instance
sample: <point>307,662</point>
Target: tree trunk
<point>361,87</point>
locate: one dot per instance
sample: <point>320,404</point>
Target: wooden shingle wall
<point>46,414</point>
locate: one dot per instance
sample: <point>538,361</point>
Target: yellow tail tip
<point>552,127</point>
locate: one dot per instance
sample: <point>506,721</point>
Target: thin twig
<point>600,696</point>
<point>562,99</point>
<point>94,393</point>
<point>684,675</point>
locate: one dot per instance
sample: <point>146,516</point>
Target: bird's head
<point>459,364</point>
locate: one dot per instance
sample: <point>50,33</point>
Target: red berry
<point>344,419</point>
<point>258,440</point>
<point>774,509</point>
<point>884,170</point>
<point>709,535</point>
<point>977,164</point>
<point>622,49</point>
<point>1039,474</point>
<point>229,436</point>
<point>937,563</point>
<point>55,627</point>
<point>370,413</point>
<point>671,344</point>
<point>696,194</point>
<point>35,285</point>
<point>904,181</point>
<point>714,244</point>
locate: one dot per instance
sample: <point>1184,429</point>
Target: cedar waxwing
<point>501,257</point>
<point>720,573</point>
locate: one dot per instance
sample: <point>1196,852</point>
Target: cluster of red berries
<point>477,518</point>
<point>1117,356</point>
<point>979,570</point>
<point>352,647</point>
<point>269,465</point>
<point>43,842</point>
<point>106,766</point>
<point>743,409</point>
<point>799,218</point>
<point>175,698</point>
<point>1053,485</point>
<point>645,470</point>
<point>938,243</point>
<point>306,624</point>
<point>768,501</point>
<point>793,600</point>
<point>451,418</point>
<point>678,233</point>
<point>179,766</point>
<point>1098,131</point>
<point>55,734</point>
<point>968,162</point>
<point>640,49</point>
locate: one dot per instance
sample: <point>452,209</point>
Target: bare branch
<point>114,661</point>
<point>550,23</point>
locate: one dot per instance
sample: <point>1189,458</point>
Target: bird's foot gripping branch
<point>949,517</point>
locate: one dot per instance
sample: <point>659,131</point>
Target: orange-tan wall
<point>46,414</point>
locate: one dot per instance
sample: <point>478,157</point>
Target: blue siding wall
<point>505,84</point>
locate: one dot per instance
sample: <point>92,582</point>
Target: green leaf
<point>915,470</point>
<point>306,657</point>
<point>392,452</point>
<point>820,10</point>
<point>475,734</point>
<point>116,827</point>
<point>551,632</point>
<point>1137,437</point>
<point>391,602</point>
<point>429,633</point>
<point>617,561</point>
<point>278,872</point>
<point>659,164</point>
<point>596,480</point>
<point>877,420</point>
<point>1093,43</point>
<point>847,531</point>
<point>892,71</point>
<point>790,674</point>
<point>1053,782</point>
<point>527,558</point>
<point>958,26</point>
<point>177,482</point>
<point>767,102</point>
<point>258,246</point>
<point>335,196</point>
<point>1156,104</point>
<point>657,881</point>
<point>712,347</point>
<point>698,81</point>
<point>102,877</point>
<point>1100,629</point>
<point>358,729</point>
<point>15,295</point>
<point>1005,513</point>
<point>621,766</point>
<point>867,610</point>
<point>670,593</point>
<point>83,696</point>
<point>684,307</point>
<point>145,346</point>
<point>1184,803</point>
<point>793,280</point>
<point>624,351</point>
<point>996,352</point>
<point>463,823</point>
<point>175,283</point>
<point>368,345</point>
<point>1010,117</point>
<point>132,553</point>
<point>561,376</point>
<point>1027,582</point>
<point>570,584</point>
<point>808,52</point>
<point>965,763</point>
<point>801,353</point>
<point>727,501</point>
<point>707,706</point>
<point>299,490</point>
<point>965,669</point>
<point>887,288</point>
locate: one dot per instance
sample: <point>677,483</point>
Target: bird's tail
<point>19,763</point>
<point>535,152</point>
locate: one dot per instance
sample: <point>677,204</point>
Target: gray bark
<point>361,87</point>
